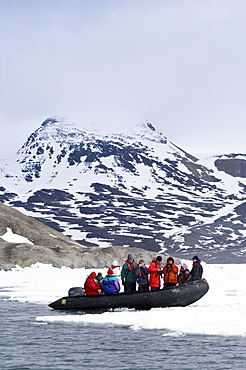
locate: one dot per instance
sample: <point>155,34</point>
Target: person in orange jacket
<point>170,273</point>
<point>155,272</point>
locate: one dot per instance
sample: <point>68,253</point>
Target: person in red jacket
<point>170,273</point>
<point>91,287</point>
<point>155,272</point>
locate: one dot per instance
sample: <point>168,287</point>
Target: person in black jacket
<point>142,273</point>
<point>197,270</point>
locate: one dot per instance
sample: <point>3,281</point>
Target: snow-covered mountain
<point>135,188</point>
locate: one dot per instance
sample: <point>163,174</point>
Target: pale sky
<point>178,63</point>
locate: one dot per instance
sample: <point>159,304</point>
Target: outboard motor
<point>77,291</point>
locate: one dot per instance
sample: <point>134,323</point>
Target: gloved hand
<point>123,282</point>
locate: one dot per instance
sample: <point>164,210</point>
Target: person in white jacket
<point>116,269</point>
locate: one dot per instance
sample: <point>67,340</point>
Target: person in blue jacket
<point>142,273</point>
<point>110,283</point>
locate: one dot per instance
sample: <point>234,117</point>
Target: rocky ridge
<point>48,246</point>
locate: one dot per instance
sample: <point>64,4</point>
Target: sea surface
<point>26,343</point>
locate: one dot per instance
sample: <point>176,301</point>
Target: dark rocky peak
<point>49,121</point>
<point>52,130</point>
<point>58,130</point>
<point>147,131</point>
<point>232,164</point>
<point>56,141</point>
<point>58,145</point>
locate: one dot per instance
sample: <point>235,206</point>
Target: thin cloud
<point>178,64</point>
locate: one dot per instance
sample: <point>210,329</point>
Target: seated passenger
<point>110,283</point>
<point>98,278</point>
<point>91,287</point>
<point>184,274</point>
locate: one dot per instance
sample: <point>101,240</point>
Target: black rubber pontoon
<point>180,295</point>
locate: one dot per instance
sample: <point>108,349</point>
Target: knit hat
<point>99,274</point>
<point>114,264</point>
<point>185,267</point>
<point>159,258</point>
<point>196,258</point>
<point>170,259</point>
<point>129,256</point>
<point>110,272</point>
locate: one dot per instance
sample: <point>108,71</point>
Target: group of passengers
<point>148,278</point>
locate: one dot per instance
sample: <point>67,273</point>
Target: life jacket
<point>131,266</point>
<point>184,276</point>
<point>141,271</point>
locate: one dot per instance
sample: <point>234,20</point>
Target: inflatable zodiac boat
<point>180,295</point>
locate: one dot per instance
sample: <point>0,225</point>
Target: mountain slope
<point>131,189</point>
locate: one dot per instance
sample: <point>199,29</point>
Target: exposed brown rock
<point>58,250</point>
<point>33,230</point>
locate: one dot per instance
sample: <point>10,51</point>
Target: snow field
<point>220,312</point>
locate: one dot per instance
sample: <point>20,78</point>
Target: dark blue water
<point>28,344</point>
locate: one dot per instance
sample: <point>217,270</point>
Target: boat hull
<point>180,295</point>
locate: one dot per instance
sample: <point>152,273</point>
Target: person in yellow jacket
<point>170,271</point>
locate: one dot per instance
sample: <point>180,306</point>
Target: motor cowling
<point>76,291</point>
